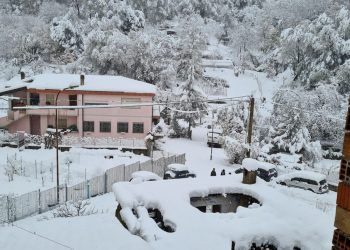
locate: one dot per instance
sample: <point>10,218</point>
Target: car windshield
<point>323,182</point>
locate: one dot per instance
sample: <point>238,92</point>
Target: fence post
<point>88,189</point>
<point>124,172</point>
<point>139,166</point>
<point>105,191</point>
<point>39,199</point>
<point>8,209</point>
<point>152,165</point>
<point>66,189</point>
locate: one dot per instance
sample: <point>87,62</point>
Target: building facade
<point>77,91</point>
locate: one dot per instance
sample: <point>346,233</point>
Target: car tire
<point>282,183</point>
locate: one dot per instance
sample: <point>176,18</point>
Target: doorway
<point>35,125</point>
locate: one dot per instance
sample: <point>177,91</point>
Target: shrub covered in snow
<point>74,208</point>
<point>235,147</point>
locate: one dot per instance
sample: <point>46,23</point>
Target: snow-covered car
<point>215,138</point>
<point>308,180</point>
<point>142,176</point>
<point>265,171</point>
<point>177,171</point>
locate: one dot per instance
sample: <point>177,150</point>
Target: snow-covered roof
<point>106,83</point>
<point>303,174</point>
<point>7,89</point>
<point>278,219</point>
<point>252,164</point>
<point>177,167</point>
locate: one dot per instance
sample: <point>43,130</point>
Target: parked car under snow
<point>142,176</point>
<point>177,171</point>
<point>308,180</point>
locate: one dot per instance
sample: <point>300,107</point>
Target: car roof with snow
<point>303,174</point>
<point>194,228</point>
<point>145,175</point>
<point>252,164</point>
<point>177,167</point>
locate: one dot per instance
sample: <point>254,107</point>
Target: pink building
<point>42,90</point>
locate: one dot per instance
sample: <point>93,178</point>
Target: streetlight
<point>71,86</point>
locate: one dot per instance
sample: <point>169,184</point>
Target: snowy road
<point>198,153</point>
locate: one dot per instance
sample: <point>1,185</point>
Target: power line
<point>126,105</point>
<point>43,237</point>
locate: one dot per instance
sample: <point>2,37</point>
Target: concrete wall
<point>115,115</point>
<point>22,124</point>
<point>226,204</point>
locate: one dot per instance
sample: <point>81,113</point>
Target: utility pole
<point>250,125</point>
<point>212,135</point>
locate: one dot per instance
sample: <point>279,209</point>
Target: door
<point>35,125</point>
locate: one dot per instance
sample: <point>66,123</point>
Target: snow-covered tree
<point>235,147</point>
<point>232,118</point>
<point>192,43</point>
<point>66,32</point>
<point>288,131</point>
<point>192,102</point>
<point>316,50</point>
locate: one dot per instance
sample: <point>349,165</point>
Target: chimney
<point>23,75</point>
<point>82,80</point>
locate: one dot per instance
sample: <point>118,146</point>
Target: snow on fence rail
<point>102,142</point>
<point>14,208</point>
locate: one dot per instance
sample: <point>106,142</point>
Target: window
<point>312,182</point>
<point>62,123</point>
<point>105,127</point>
<point>73,100</point>
<point>216,209</point>
<point>123,127</point>
<point>50,99</point>
<point>34,99</point>
<point>88,126</point>
<point>131,101</point>
<point>95,103</point>
<point>137,127</point>
<point>323,182</point>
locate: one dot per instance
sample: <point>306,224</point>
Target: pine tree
<point>192,102</point>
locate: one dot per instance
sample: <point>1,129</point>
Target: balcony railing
<point>52,112</point>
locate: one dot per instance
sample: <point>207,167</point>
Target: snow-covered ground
<point>249,83</point>
<point>97,231</point>
<point>281,219</point>
<point>38,167</point>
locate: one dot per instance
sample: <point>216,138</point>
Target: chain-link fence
<point>14,208</point>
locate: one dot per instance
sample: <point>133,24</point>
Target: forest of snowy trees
<point>309,38</point>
